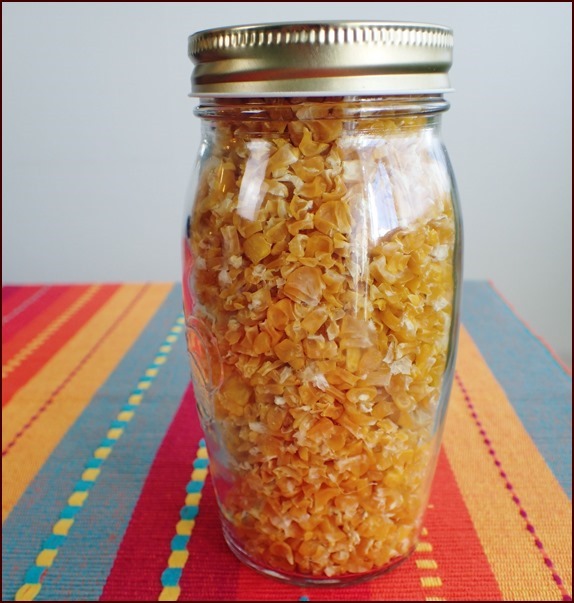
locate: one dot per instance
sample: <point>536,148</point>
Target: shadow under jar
<point>322,264</point>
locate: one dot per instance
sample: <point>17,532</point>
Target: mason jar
<point>321,280</point>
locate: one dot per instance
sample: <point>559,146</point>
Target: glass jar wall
<point>322,255</point>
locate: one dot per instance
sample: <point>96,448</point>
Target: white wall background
<point>99,138</point>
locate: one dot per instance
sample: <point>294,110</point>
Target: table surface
<point>102,461</point>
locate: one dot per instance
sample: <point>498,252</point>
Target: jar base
<point>302,580</point>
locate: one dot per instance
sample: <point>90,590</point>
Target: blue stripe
<point>179,542</point>
<point>171,576</point>
<point>189,512</point>
<point>193,487</point>
<point>54,541</point>
<point>111,503</point>
<point>107,443</point>
<point>34,574</point>
<point>83,486</point>
<point>536,385</point>
<point>118,424</point>
<point>117,490</point>
<point>70,512</point>
<point>201,463</point>
<point>94,463</point>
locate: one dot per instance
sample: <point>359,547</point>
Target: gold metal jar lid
<point>330,58</point>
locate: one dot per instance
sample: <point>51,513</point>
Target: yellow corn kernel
<point>257,247</point>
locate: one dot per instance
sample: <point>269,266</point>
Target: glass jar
<point>322,264</point>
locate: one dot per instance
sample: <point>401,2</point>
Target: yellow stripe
<point>192,499</point>
<point>199,475</point>
<point>431,582</point>
<point>90,475</point>
<point>77,499</point>
<point>135,399</point>
<point>62,527</point>
<point>170,593</point>
<point>103,452</point>
<point>185,527</point>
<point>28,592</point>
<point>509,547</point>
<point>177,559</point>
<point>115,433</point>
<point>46,557</point>
<point>424,547</point>
<point>30,452</point>
<point>426,564</point>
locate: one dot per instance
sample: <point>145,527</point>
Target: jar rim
<point>323,58</point>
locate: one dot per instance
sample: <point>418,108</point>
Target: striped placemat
<point>106,486</point>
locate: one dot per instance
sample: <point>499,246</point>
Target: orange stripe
<point>451,542</point>
<point>41,321</point>
<point>31,450</point>
<point>55,340</point>
<point>513,554</point>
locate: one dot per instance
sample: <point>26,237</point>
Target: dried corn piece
<point>323,267</point>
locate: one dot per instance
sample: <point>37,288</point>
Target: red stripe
<point>145,548</point>
<point>28,311</point>
<point>25,327</point>
<point>212,571</point>
<point>7,292</point>
<point>13,296</point>
<point>31,365</point>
